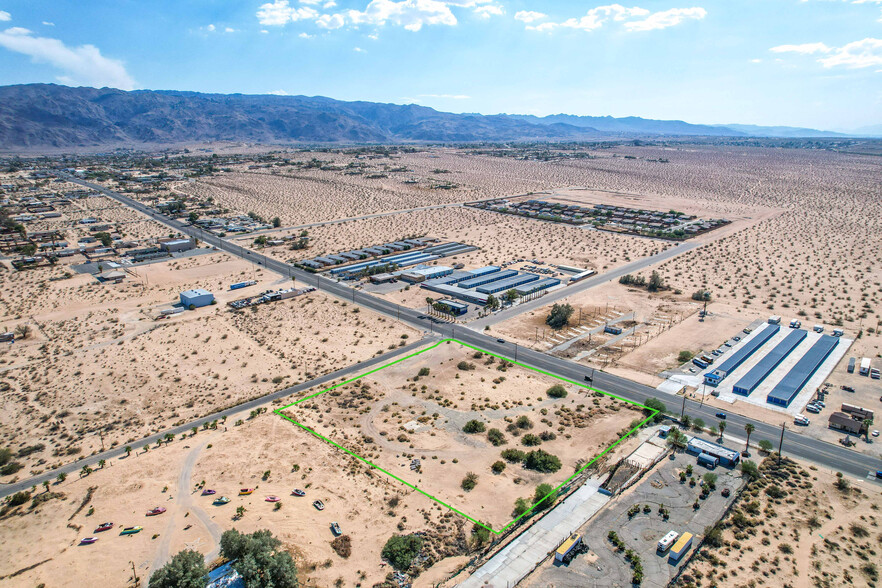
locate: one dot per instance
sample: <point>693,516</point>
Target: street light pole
<point>781,443</point>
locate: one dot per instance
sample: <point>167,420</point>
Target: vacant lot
<point>458,418</point>
<point>797,525</point>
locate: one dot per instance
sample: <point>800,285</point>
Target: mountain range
<point>49,116</point>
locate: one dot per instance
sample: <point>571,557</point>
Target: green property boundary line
<point>654,412</point>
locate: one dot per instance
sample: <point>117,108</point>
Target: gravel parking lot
<point>603,566</point>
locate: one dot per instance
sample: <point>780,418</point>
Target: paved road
<point>118,452</point>
<point>825,454</point>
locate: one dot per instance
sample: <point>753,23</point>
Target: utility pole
<point>516,351</point>
<point>683,409</point>
<point>781,443</point>
<point>135,574</point>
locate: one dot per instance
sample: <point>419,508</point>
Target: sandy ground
<point>99,362</point>
<point>390,419</point>
<point>795,525</point>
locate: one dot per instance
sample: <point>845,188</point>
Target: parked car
<point>848,388</point>
<point>319,505</point>
<point>335,529</point>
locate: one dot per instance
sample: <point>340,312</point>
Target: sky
<point>812,63</point>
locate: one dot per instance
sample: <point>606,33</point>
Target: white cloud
<point>633,19</point>
<point>489,10</point>
<point>329,4</point>
<point>410,14</point>
<point>854,55</point>
<point>81,65</point>
<point>229,30</point>
<point>5,16</point>
<point>666,18</point>
<point>330,21</point>
<point>374,36</point>
<point>804,49</point>
<point>264,32</point>
<point>210,28</point>
<point>311,2</point>
<point>359,50</point>
<point>305,36</point>
<point>529,16</point>
<point>48,24</point>
<point>280,12</point>
<point>278,93</point>
<point>756,60</point>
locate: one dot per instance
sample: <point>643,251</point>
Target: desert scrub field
<point>96,358</point>
<point>793,525</point>
<point>485,432</point>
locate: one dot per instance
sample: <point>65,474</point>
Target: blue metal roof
<point>787,389</point>
<point>767,364</point>
<point>481,280</point>
<point>535,286</point>
<point>508,284</point>
<point>745,351</point>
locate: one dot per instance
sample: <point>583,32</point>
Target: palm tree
<point>128,450</point>
<point>722,428</point>
<point>676,439</point>
<point>61,477</point>
<point>866,423</point>
<point>748,428</point>
<point>102,463</point>
<point>46,485</point>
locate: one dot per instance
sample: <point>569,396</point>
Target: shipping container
<point>242,284</point>
<point>613,330</point>
<point>567,547</point>
<point>681,546</point>
<point>851,363</point>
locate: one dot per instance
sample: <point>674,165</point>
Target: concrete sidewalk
<point>519,557</point>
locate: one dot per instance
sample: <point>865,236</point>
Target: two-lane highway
<point>825,454</point>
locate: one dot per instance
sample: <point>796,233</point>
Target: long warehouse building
<point>532,287</point>
<point>506,285</point>
<point>481,280</point>
<point>751,381</point>
<point>787,389</point>
<point>736,359</point>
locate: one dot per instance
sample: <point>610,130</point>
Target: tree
<point>469,482</point>
<point>480,534</point>
<point>541,461</point>
<point>257,559</point>
<point>748,428</point>
<point>193,217</point>
<point>521,506</point>
<point>749,469</point>
<point>765,445</point>
<point>185,570</point>
<point>105,238</point>
<point>544,497</point>
<point>655,282</point>
<point>277,222</point>
<point>474,426</point>
<point>685,356</point>
<point>511,295</point>
<point>498,466</point>
<point>654,404</point>
<point>557,391</point>
<point>5,455</point>
<point>46,485</point>
<point>866,425</point>
<point>676,439</point>
<point>61,477</point>
<point>722,428</point>
<point>240,512</point>
<point>492,302</point>
<point>128,450</point>
<point>23,331</point>
<point>401,549</point>
<point>102,463</point>
<point>496,437</point>
<point>559,317</point>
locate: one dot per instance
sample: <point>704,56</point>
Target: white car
<point>875,433</point>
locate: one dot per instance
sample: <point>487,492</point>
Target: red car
<point>104,527</point>
<point>156,511</point>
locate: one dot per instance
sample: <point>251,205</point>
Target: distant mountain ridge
<point>49,116</point>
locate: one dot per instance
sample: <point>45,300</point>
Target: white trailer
<point>865,366</point>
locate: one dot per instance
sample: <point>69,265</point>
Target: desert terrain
<point>395,415</point>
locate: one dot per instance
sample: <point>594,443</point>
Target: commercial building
<point>787,389</point>
<point>507,284</point>
<point>537,286</point>
<point>173,245</point>
<point>453,307</point>
<point>727,456</point>
<point>196,298</point>
<point>486,279</point>
<point>857,412</point>
<point>844,422</point>
<point>736,359</point>
<point>456,292</point>
<point>422,274</point>
<point>751,381</point>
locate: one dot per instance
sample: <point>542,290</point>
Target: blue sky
<point>815,63</point>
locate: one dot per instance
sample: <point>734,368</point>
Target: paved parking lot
<point>602,566</point>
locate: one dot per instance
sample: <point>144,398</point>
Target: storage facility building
<point>454,307</point>
<point>508,284</point>
<point>736,359</point>
<point>486,279</point>
<point>196,298</point>
<point>425,273</point>
<point>531,287</point>
<point>787,389</point>
<point>751,381</point>
<point>727,456</point>
<point>455,292</point>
